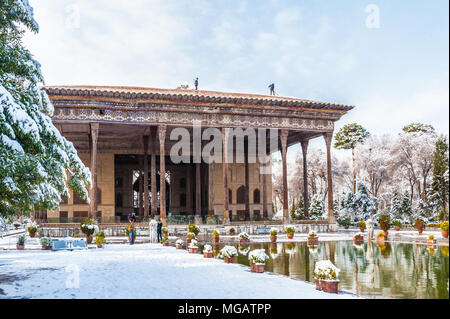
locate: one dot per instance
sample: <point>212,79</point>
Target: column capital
<point>162,132</point>
<point>328,136</point>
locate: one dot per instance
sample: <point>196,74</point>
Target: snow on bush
<point>190,235</point>
<point>244,235</point>
<point>290,229</point>
<point>244,250</point>
<point>88,226</point>
<point>193,244</point>
<point>228,251</point>
<point>46,241</point>
<point>179,242</point>
<point>258,257</point>
<point>325,270</point>
<point>207,248</point>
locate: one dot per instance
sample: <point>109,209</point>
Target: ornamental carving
<point>179,118</point>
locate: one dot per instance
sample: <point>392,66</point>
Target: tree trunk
<point>354,170</point>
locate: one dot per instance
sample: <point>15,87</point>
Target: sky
<point>390,59</point>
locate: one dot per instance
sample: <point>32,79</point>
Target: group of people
<point>132,228</point>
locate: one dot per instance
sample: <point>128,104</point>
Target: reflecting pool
<point>392,270</point>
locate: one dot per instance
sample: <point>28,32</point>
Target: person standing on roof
<point>272,89</point>
<point>196,84</point>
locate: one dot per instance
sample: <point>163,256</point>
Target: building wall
<point>108,174</point>
<point>236,176</point>
<point>105,180</point>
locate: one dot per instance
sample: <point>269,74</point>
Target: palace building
<point>123,135</point>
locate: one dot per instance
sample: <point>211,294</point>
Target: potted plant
<point>444,227</point>
<point>16,224</point>
<point>179,244</point>
<point>193,228</point>
<point>228,253</point>
<point>397,224</point>
<point>273,234</point>
<point>232,231</point>
<point>100,239</point>
<point>384,224</point>
<point>313,239</point>
<point>215,236</point>
<point>345,222</point>
<point>32,229</point>
<point>257,259</point>
<point>362,225</point>
<point>165,241</point>
<point>193,247</point>
<point>358,239</point>
<point>216,251</point>
<point>46,243</point>
<point>20,245</point>
<point>431,240</point>
<point>290,232</point>
<point>165,232</point>
<point>189,236</point>
<point>207,251</point>
<point>419,225</point>
<point>88,227</point>
<point>326,276</point>
<point>381,237</point>
<point>244,237</point>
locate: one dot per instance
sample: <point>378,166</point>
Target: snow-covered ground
<point>139,271</point>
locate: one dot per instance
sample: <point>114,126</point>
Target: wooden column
<point>225,135</point>
<point>93,146</point>
<point>304,144</point>
<point>145,141</point>
<point>188,189</point>
<point>162,172</point>
<point>198,189</point>
<point>247,184</point>
<point>153,187</point>
<point>211,188</point>
<point>264,187</point>
<point>283,138</point>
<point>141,187</point>
<point>328,137</point>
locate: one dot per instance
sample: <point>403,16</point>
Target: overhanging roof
<point>192,96</point>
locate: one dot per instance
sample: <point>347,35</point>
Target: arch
<point>256,196</point>
<point>240,195</point>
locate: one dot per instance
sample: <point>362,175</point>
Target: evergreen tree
<point>418,127</point>
<point>296,210</point>
<point>347,138</point>
<point>406,208</point>
<point>36,162</point>
<point>348,208</point>
<point>317,207</point>
<point>439,192</point>
<point>424,212</point>
<point>364,203</point>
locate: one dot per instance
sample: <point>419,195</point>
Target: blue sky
<point>322,50</point>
